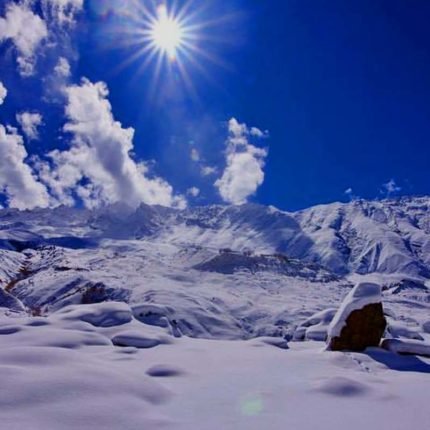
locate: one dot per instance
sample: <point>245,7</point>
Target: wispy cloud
<point>390,188</point>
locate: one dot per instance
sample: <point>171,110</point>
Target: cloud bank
<point>98,167</point>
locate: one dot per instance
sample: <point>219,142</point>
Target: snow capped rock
<point>360,296</point>
<point>359,322</point>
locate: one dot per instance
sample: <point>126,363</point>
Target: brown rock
<point>364,328</point>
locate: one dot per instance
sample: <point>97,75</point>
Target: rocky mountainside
<point>216,271</point>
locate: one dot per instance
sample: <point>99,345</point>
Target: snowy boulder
<point>426,327</point>
<point>107,314</point>
<point>407,347</point>
<point>359,323</point>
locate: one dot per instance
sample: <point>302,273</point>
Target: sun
<point>175,40</point>
<point>167,33</point>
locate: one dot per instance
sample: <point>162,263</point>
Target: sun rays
<point>165,40</point>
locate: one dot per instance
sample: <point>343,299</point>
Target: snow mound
<point>407,347</point>
<point>52,337</point>
<point>189,316</point>
<point>55,388</point>
<point>139,339</point>
<point>278,342</point>
<point>106,314</point>
<point>363,294</point>
<point>315,327</point>
<point>400,330</point>
<point>426,327</point>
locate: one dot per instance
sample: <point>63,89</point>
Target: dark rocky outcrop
<point>364,328</point>
<point>359,323</point>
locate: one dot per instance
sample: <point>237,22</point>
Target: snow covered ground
<point>198,307</point>
<point>63,372</point>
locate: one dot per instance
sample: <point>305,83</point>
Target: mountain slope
<point>217,271</point>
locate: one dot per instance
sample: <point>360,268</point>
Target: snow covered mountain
<point>217,271</point>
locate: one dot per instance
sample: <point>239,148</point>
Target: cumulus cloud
<point>26,30</point>
<point>62,69</point>
<point>29,123</point>
<point>17,179</point>
<point>193,191</point>
<point>98,166</point>
<point>256,132</point>
<point>3,93</point>
<point>245,163</point>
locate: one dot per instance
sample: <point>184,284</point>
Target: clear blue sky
<point>343,88</point>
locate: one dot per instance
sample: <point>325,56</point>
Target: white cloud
<point>245,162</point>
<point>98,166</point>
<point>17,179</point>
<point>349,192</point>
<point>3,93</point>
<point>208,170</point>
<point>27,31</point>
<point>193,191</point>
<point>29,123</point>
<point>64,11</point>
<point>194,154</point>
<point>256,132</point>
<point>62,69</point>
<point>391,187</point>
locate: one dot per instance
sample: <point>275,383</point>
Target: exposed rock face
<point>364,328</point>
<point>359,323</point>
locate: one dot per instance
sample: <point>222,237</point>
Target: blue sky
<point>334,96</point>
